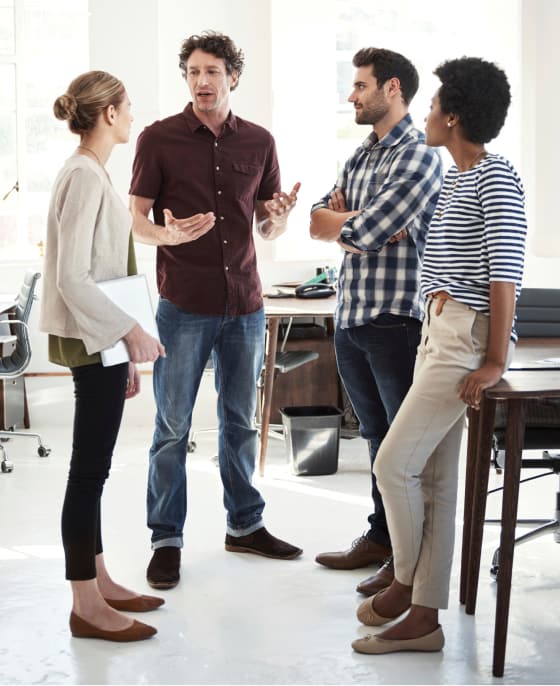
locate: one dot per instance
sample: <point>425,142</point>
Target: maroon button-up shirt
<point>182,166</point>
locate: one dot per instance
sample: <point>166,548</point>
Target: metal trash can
<point>312,435</point>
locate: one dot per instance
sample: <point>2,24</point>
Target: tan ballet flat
<point>367,615</point>
<point>375,645</point>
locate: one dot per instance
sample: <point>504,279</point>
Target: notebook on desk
<point>132,295</point>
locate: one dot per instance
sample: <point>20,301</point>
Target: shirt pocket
<point>246,179</point>
<point>374,185</point>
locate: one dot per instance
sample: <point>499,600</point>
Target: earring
<point>449,124</point>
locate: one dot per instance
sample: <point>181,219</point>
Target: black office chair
<point>12,365</point>
<point>538,315</point>
<point>284,362</point>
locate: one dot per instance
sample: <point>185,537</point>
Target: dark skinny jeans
<point>99,402</point>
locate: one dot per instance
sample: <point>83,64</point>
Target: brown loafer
<point>140,603</point>
<point>362,553</point>
<point>261,542</point>
<point>136,632</point>
<point>382,579</point>
<point>163,570</point>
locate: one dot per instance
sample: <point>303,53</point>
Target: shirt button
<point>219,192</point>
<point>215,144</point>
<point>225,242</point>
<point>221,219</point>
<point>227,269</point>
<point>217,167</point>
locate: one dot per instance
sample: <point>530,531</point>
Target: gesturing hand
<point>180,231</point>
<point>281,204</point>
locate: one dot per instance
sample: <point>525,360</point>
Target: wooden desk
<point>515,389</point>
<point>277,309</point>
<point>533,353</point>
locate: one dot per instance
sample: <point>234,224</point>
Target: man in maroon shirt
<point>216,171</point>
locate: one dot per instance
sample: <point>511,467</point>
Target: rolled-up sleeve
<point>413,179</point>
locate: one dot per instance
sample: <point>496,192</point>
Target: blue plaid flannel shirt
<point>395,183</point>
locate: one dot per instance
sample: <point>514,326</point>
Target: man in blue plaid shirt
<point>379,212</point>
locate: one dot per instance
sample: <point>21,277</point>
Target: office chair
<point>191,445</point>
<point>538,315</point>
<point>284,362</point>
<point>12,365</point>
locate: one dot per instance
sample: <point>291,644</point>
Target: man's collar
<point>194,123</point>
<point>393,137</point>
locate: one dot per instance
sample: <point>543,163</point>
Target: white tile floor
<point>240,619</point>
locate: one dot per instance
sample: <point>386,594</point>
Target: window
<point>312,121</point>
<point>428,33</point>
<point>43,46</point>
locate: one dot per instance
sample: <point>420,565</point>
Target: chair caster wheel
<point>43,451</point>
<point>191,446</point>
<point>7,467</point>
<point>494,569</point>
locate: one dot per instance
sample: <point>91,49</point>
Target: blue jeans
<point>376,364</point>
<point>237,348</point>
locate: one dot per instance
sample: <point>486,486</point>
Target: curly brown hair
<point>217,44</point>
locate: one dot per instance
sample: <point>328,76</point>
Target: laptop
<point>131,294</point>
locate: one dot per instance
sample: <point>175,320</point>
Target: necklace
<point>475,159</point>
<point>449,192</point>
<point>83,147</point>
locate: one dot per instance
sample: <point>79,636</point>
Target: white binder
<point>132,295</point>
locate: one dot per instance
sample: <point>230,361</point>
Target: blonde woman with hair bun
<point>89,240</point>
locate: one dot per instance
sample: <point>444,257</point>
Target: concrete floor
<point>240,619</point>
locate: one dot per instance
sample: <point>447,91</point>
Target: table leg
<point>515,436</point>
<point>479,494</point>
<point>271,345</point>
<point>472,438</point>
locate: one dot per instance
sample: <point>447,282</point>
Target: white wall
<point>541,169</point>
<point>138,40</point>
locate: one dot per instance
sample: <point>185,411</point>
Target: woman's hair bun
<point>65,107</point>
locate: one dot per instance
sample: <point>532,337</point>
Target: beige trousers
<point>417,463</point>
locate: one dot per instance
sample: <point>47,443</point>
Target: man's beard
<point>372,114</point>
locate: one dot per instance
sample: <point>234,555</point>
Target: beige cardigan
<point>88,234</point>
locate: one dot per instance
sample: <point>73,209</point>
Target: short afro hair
<point>214,43</point>
<point>478,93</point>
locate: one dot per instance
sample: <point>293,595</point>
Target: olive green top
<point>71,352</point>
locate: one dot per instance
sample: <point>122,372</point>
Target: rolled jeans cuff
<point>246,531</point>
<point>172,542</point>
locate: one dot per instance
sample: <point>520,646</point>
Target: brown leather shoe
<point>140,603</point>
<point>163,570</point>
<point>362,552</point>
<point>260,542</point>
<point>377,582</point>
<point>137,632</point>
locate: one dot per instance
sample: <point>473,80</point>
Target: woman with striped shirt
<point>471,278</point>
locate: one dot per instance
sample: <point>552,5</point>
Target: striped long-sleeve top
<point>477,234</point>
